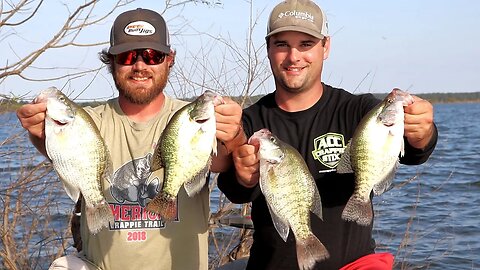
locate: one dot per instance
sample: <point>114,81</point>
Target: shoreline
<point>9,105</point>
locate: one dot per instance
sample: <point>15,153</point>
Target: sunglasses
<point>149,56</point>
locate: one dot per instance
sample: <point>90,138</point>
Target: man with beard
<point>140,59</point>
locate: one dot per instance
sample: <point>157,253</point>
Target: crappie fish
<point>291,194</point>
<point>373,154</point>
<point>185,151</point>
<point>78,154</point>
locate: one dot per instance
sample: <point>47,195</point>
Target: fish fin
<point>99,216</point>
<point>214,146</point>
<point>317,204</point>
<point>108,170</point>
<point>402,148</point>
<point>310,251</point>
<point>386,183</point>
<point>358,210</point>
<point>164,205</point>
<point>194,185</point>
<point>345,165</point>
<point>156,161</point>
<point>72,191</point>
<point>281,227</point>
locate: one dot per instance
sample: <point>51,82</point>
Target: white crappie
<point>78,154</point>
<point>373,154</point>
<point>184,151</point>
<point>291,194</point>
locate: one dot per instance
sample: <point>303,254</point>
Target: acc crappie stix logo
<point>139,28</point>
<point>328,148</point>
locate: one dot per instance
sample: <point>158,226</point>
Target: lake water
<point>433,222</point>
<point>429,220</point>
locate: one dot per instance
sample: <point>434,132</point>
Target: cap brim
<point>138,45</point>
<point>296,29</point>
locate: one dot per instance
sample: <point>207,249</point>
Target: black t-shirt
<point>320,134</point>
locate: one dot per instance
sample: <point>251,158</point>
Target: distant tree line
<point>8,105</point>
<point>432,97</point>
<point>451,97</point>
<point>445,97</point>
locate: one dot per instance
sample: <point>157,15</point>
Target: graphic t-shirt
<point>320,133</point>
<point>138,239</point>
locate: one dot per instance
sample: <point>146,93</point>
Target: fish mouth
<point>201,121</point>
<point>388,122</point>
<point>255,138</point>
<point>253,141</point>
<point>59,123</point>
<point>39,99</point>
<point>215,98</point>
<point>218,100</point>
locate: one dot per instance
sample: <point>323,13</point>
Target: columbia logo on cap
<point>298,15</point>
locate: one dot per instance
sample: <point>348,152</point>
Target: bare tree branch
<point>65,36</point>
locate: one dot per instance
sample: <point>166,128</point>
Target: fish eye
<point>272,139</point>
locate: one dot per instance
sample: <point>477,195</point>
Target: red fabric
<point>377,261</point>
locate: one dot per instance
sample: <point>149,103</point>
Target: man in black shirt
<point>318,120</point>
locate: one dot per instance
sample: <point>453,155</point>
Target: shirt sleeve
<point>97,112</point>
<point>227,183</point>
<point>414,156</point>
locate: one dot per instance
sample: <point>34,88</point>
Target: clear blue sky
<point>421,46</point>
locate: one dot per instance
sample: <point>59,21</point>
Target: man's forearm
<point>39,144</point>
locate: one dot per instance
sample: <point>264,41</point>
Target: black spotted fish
<point>78,154</point>
<point>291,194</point>
<point>373,154</point>
<point>185,151</point>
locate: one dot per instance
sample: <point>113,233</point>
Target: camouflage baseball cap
<point>298,15</point>
<point>139,29</point>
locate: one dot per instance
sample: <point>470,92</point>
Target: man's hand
<point>32,118</point>
<point>419,127</point>
<point>229,127</point>
<point>228,117</point>
<point>245,159</point>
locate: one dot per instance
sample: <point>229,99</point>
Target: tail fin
<point>310,251</point>
<point>164,205</point>
<point>358,210</point>
<point>98,216</point>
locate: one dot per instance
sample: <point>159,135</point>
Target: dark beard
<point>141,96</point>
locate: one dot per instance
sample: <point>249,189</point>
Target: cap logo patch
<point>301,15</point>
<point>139,28</point>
